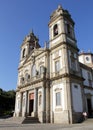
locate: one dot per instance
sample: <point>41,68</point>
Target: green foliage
<point>7,101</point>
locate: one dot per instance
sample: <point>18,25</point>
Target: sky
<point>19,17</point>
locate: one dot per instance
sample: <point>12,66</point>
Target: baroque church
<point>55,83</point>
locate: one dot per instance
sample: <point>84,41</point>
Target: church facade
<point>55,83</point>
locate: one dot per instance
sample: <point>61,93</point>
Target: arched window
<point>68,29</point>
<point>73,62</point>
<point>55,29</point>
<point>33,71</point>
<point>57,66</point>
<point>27,76</point>
<point>22,80</point>
<point>23,55</point>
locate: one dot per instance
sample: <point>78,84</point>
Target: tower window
<point>27,76</point>
<point>68,29</point>
<point>55,29</point>
<point>73,64</point>
<point>22,80</point>
<point>57,66</point>
<point>89,76</point>
<point>23,53</point>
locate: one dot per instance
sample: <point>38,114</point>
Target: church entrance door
<point>89,106</point>
<point>31,103</point>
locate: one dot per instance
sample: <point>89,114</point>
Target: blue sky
<point>19,17</point>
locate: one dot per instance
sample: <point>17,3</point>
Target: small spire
<point>59,7</point>
<point>89,51</point>
<point>82,51</point>
<point>31,32</point>
<point>45,44</point>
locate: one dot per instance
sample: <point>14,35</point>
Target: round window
<point>87,58</point>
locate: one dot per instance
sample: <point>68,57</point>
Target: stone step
<point>17,120</point>
<point>89,120</point>
<point>29,120</point>
<point>21,120</point>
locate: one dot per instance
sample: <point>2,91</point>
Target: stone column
<point>35,101</point>
<point>43,105</point>
<point>20,107</point>
<point>65,59</point>
<point>26,102</point>
<point>43,98</point>
<point>51,103</point>
<point>69,100</point>
<point>47,102</point>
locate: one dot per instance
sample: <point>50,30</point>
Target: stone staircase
<point>15,120</point>
<point>30,120</point>
<point>21,120</point>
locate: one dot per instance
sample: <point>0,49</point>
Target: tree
<point>7,101</point>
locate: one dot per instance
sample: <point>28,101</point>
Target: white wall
<point>81,59</point>
<point>77,98</point>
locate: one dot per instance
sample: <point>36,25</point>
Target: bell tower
<point>64,65</point>
<point>29,43</point>
<point>61,28</point>
<point>62,35</point>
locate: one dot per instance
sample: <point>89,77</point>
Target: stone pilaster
<point>15,113</point>
<point>26,102</point>
<point>65,59</point>
<point>20,107</point>
<point>69,100</point>
<point>47,102</point>
<point>35,101</point>
<point>43,104</point>
<point>51,104</point>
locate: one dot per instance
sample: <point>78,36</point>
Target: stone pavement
<point>4,125</point>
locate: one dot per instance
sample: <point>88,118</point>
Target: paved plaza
<point>14,126</point>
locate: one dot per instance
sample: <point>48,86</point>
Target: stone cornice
<point>88,87</point>
<point>68,76</point>
<point>85,66</point>
<point>77,77</point>
<point>68,44</point>
<point>33,82</point>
